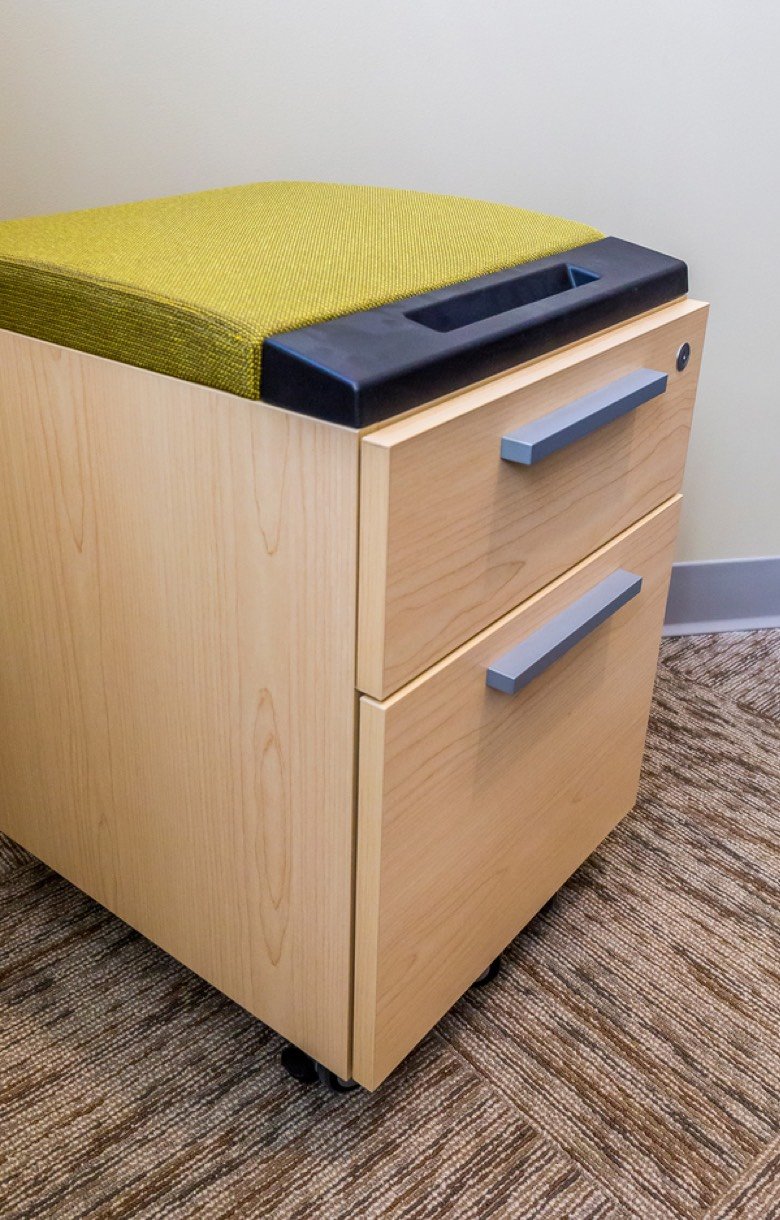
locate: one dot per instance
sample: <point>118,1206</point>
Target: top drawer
<point>452,535</point>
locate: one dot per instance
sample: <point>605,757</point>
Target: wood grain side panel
<point>177,638</point>
<point>455,537</point>
<point>476,806</point>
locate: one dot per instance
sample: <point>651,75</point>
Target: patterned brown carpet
<point>625,1064</point>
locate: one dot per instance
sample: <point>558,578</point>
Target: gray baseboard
<point>723,595</point>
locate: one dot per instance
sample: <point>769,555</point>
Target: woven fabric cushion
<point>191,285</point>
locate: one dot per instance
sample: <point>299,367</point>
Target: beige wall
<point>656,121</point>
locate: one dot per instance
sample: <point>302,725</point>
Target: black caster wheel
<point>299,1065</point>
<point>488,975</point>
<point>333,1082</point>
<point>303,1068</point>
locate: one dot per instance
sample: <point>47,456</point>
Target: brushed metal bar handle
<point>534,441</point>
<point>516,668</point>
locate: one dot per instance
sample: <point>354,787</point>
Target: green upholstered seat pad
<point>191,285</point>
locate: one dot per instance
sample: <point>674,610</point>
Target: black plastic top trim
<point>365,367</point>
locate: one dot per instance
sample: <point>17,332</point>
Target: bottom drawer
<point>475,805</point>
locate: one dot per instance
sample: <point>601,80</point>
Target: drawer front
<point>476,804</point>
<point>453,534</point>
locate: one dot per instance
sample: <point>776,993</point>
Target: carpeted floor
<point>625,1064</point>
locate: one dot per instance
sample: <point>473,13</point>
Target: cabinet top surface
<point>345,302</point>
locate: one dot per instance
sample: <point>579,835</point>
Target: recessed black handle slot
<point>363,367</point>
<point>523,289</point>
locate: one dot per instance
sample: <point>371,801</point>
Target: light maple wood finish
<point>177,630</point>
<point>475,806</point>
<point>452,537</point>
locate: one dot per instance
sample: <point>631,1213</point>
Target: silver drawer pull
<point>530,658</point>
<point>559,428</point>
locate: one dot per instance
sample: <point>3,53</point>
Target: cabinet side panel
<point>178,575</point>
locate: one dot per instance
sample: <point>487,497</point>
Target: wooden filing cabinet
<point>244,655</point>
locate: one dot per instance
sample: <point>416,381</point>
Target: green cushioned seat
<point>191,285</point>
